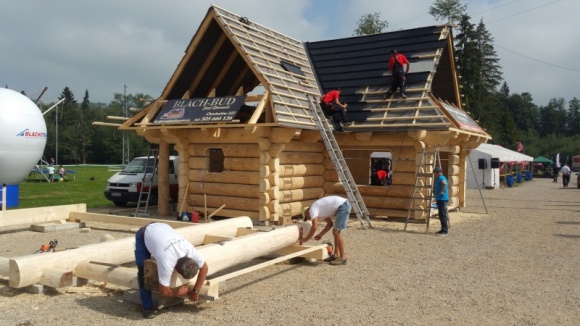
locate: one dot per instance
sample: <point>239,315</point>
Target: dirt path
<point>517,265</point>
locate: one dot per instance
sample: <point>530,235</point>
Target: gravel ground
<point>517,265</point>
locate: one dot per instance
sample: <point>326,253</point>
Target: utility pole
<point>125,137</point>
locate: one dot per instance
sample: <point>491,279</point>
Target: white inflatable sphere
<point>22,136</point>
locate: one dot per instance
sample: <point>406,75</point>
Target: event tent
<point>543,160</point>
<point>479,169</point>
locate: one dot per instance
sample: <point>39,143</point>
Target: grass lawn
<point>36,192</point>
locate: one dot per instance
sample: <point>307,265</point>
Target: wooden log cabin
<point>236,110</point>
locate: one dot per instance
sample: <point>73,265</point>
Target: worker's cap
<point>437,169</point>
<point>304,212</point>
<point>393,51</point>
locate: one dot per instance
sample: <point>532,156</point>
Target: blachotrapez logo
<point>26,133</point>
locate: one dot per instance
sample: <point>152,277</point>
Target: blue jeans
<point>342,215</point>
<point>141,253</point>
<point>443,217</point>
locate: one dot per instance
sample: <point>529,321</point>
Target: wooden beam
<point>56,278</point>
<point>112,117</point>
<point>39,214</point>
<point>28,270</point>
<point>105,218</point>
<point>225,68</point>
<point>108,124</point>
<point>217,256</point>
<point>320,250</point>
<point>122,276</point>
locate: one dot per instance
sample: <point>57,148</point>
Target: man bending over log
<point>326,208</point>
<point>171,252</point>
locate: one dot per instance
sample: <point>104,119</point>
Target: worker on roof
<point>397,64</point>
<point>331,106</point>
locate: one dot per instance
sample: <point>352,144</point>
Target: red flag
<point>520,147</point>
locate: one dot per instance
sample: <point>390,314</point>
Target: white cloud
<point>103,45</point>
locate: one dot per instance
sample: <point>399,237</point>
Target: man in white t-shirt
<point>326,208</point>
<point>171,252</point>
<point>565,175</point>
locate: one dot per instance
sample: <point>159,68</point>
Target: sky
<point>103,46</point>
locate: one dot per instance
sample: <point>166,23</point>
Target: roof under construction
<point>231,55</point>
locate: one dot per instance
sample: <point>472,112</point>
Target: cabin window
<point>365,164</point>
<point>381,168</point>
<point>216,160</point>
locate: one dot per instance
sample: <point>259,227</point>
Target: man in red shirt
<point>397,64</point>
<point>382,176</point>
<point>332,108</point>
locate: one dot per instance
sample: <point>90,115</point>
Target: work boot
<point>388,94</point>
<point>330,258</point>
<point>149,313</point>
<point>339,261</point>
<point>403,95</point>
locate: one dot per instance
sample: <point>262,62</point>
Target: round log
<point>301,158</point>
<point>240,190</point>
<point>289,183</point>
<point>27,270</point>
<point>301,170</point>
<point>217,256</point>
<point>229,150</point>
<point>297,146</point>
<point>241,164</point>
<point>453,159</point>
<point>265,157</point>
<point>287,196</point>
<point>240,203</point>
<point>198,163</point>
<point>229,177</point>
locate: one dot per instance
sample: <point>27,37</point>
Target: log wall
<point>271,175</point>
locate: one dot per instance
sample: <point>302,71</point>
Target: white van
<point>125,186</point>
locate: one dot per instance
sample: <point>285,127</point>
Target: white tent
<point>479,170</point>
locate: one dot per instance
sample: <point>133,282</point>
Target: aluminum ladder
<point>423,188</point>
<point>150,169</point>
<point>339,163</point>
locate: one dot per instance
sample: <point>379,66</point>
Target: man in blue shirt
<point>442,197</point>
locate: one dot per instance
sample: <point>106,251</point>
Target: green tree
<point>452,10</point>
<point>573,119</point>
<point>490,73</point>
<point>553,118</point>
<point>370,24</point>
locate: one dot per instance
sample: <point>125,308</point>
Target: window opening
<point>216,160</point>
<point>381,173</point>
<point>292,68</point>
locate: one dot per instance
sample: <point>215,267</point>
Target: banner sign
<point>200,110</point>
<point>464,121</point>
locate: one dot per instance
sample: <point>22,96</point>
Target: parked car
<point>125,186</point>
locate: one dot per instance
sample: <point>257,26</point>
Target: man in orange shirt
<point>397,64</point>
